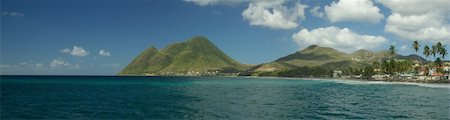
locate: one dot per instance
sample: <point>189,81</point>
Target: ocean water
<point>72,97</point>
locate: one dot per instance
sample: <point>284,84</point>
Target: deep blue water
<point>46,97</point>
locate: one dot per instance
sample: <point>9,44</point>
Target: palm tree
<point>416,47</point>
<point>434,50</point>
<point>439,45</point>
<point>438,65</point>
<point>438,62</point>
<point>443,52</point>
<point>392,51</point>
<point>426,51</point>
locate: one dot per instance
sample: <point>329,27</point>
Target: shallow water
<point>70,97</point>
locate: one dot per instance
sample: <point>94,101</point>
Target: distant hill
<point>367,56</point>
<point>411,57</point>
<point>311,56</point>
<point>326,57</point>
<point>196,56</point>
<point>199,56</point>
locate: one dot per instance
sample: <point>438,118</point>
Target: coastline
<point>446,82</point>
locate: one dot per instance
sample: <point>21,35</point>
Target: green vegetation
<point>316,61</point>
<point>312,56</point>
<point>299,72</point>
<point>395,67</point>
<point>196,56</point>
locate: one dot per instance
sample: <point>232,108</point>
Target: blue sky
<point>66,36</point>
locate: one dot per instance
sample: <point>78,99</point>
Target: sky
<point>100,37</point>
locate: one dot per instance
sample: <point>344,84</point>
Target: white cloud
<point>404,47</point>
<point>104,53</point>
<point>112,65</point>
<point>353,10</point>
<point>341,39</point>
<point>39,65</point>
<point>274,14</point>
<point>79,51</point>
<point>216,2</point>
<point>4,66</point>
<point>76,51</point>
<point>66,50</point>
<point>315,12</point>
<point>14,14</point>
<point>419,27</point>
<point>414,7</point>
<point>56,63</point>
<point>23,63</point>
<point>419,19</point>
<point>23,66</point>
<point>218,13</point>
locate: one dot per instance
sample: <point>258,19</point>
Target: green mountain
<point>325,57</point>
<point>311,56</point>
<point>196,56</point>
<point>367,56</point>
<point>411,57</point>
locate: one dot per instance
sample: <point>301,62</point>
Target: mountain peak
<point>196,55</point>
<point>315,53</point>
<point>318,49</point>
<point>198,39</point>
<point>312,46</point>
<point>152,48</point>
<point>362,52</point>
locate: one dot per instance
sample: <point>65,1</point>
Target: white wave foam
<point>360,82</point>
<point>431,85</point>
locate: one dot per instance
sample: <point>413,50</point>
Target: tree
<point>377,65</point>
<point>388,66</point>
<point>392,51</point>
<point>439,45</point>
<point>434,50</point>
<point>426,51</point>
<point>443,52</point>
<point>368,72</point>
<point>416,47</point>
<point>438,62</point>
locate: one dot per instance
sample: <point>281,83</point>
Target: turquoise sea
<point>96,97</point>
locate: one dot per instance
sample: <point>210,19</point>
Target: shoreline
<point>447,82</point>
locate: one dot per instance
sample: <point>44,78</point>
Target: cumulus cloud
<point>315,11</point>
<point>22,68</point>
<point>413,7</point>
<point>216,2</point>
<point>111,65</point>
<point>274,14</point>
<point>56,63</point>
<point>13,14</point>
<point>404,47</point>
<point>341,39</point>
<point>60,63</point>
<point>39,65</point>
<point>66,50</point>
<point>353,10</point>
<point>4,66</point>
<point>419,19</point>
<point>104,53</point>
<point>76,51</point>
